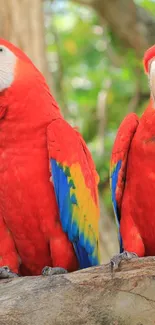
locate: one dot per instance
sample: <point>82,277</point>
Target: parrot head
<point>20,79</point>
<point>149,66</point>
<point>14,65</point>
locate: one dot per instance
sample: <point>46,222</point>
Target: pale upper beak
<point>151,74</point>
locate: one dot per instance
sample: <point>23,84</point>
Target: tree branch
<point>89,297</point>
<point>132,24</point>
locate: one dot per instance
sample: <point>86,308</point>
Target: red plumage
<point>27,197</point>
<point>31,233</point>
<point>133,179</point>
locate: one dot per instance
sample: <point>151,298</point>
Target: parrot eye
<point>1,49</point>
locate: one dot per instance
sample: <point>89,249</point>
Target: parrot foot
<point>116,260</point>
<point>49,271</point>
<point>6,273</point>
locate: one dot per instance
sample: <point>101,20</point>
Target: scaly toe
<point>6,273</point>
<point>49,271</point>
<point>116,260</point>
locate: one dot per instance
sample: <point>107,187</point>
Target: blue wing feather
<point>65,202</point>
<point>114,180</point>
<point>82,255</point>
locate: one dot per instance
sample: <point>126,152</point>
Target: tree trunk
<point>89,296</point>
<point>22,23</point>
<point>132,24</point>
<point>108,237</point>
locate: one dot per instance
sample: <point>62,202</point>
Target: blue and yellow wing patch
<point>78,213</point>
<point>75,183</point>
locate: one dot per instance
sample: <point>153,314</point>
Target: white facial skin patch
<point>7,67</point>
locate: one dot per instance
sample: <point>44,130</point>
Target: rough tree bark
<point>22,23</point>
<point>131,23</point>
<point>89,296</point>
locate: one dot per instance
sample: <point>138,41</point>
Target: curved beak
<point>151,74</point>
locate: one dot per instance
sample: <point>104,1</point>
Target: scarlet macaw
<point>49,209</point>
<point>132,177</point>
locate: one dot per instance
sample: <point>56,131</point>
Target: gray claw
<point>47,270</point>
<point>116,260</point>
<point>6,273</point>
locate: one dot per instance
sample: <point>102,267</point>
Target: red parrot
<point>49,209</point>
<point>132,177</point>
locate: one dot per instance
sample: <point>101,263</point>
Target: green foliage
<point>149,5</point>
<point>88,56</point>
